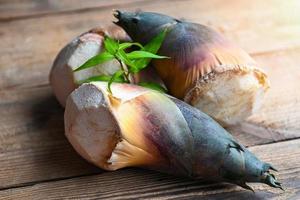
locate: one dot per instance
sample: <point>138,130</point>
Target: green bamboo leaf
<point>143,54</point>
<point>98,59</point>
<point>153,86</point>
<point>126,45</point>
<point>111,45</point>
<point>114,77</point>
<point>151,47</point>
<point>156,42</point>
<point>101,78</point>
<point>121,55</point>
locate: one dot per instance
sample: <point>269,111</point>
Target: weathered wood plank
<point>29,46</point>
<point>32,143</point>
<point>32,130</point>
<point>18,9</point>
<point>143,184</point>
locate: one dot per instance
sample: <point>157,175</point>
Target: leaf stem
<point>127,76</point>
<point>130,63</point>
<point>124,69</point>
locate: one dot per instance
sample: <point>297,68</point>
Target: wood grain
<point>20,9</point>
<point>32,129</point>
<point>142,184</point>
<point>32,143</point>
<point>32,134</point>
<point>35,157</point>
<point>28,47</point>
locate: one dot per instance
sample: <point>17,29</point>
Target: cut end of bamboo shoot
<point>93,127</point>
<point>230,96</point>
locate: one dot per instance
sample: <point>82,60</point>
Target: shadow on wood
<point>59,156</point>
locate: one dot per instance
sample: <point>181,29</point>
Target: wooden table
<point>36,160</point>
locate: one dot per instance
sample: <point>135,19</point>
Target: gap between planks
<point>32,131</point>
<point>43,66</point>
<point>63,9</point>
<point>30,53</point>
<point>34,121</point>
<point>137,183</point>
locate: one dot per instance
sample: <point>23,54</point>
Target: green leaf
<point>153,86</point>
<point>151,47</point>
<point>98,59</point>
<point>143,54</point>
<point>111,45</point>
<point>115,77</point>
<point>156,42</point>
<point>135,61</point>
<point>121,55</point>
<point>126,45</point>
<point>101,78</point>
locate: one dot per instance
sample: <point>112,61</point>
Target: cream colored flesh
<point>93,131</point>
<point>215,96</point>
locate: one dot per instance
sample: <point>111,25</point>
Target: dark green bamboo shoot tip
<point>271,181</point>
